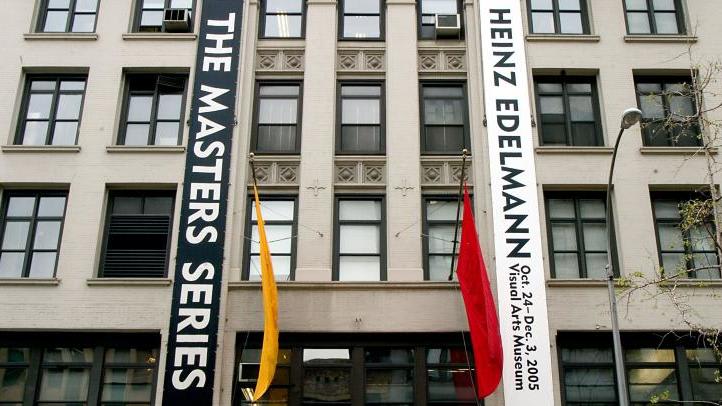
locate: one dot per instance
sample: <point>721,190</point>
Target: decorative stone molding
<point>280,60</point>
<point>360,60</point>
<point>360,172</point>
<point>443,172</point>
<point>442,60</point>
<point>276,172</point>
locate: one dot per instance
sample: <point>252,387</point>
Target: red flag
<point>480,308</point>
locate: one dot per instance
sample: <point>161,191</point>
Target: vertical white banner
<point>517,236</point>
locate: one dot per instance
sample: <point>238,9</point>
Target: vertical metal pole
<point>458,211</point>
<point>618,356</point>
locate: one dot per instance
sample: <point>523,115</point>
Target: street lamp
<point>630,117</point>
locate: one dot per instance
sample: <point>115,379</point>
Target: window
<point>282,19</point>
<point>429,9</point>
<point>654,17</point>
<point>558,17</point>
<point>668,112</point>
<point>444,118</point>
<point>78,369</point>
<point>655,363</point>
<point>278,115</point>
<point>68,16</point>
<point>279,216</point>
<point>51,110</point>
<point>568,111</point>
<point>150,14</point>
<point>32,224</point>
<point>439,225</point>
<point>361,19</point>
<point>137,234</point>
<point>360,243</point>
<point>373,369</point>
<point>577,230</point>
<point>361,122</point>
<point>153,110</point>
<point>692,250</point>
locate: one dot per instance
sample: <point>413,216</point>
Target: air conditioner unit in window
<point>448,25</point>
<point>176,20</point>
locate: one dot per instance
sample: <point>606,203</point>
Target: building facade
<point>357,112</point>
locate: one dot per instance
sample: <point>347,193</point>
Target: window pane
<point>561,208</point>
<point>282,25</point>
<point>566,266</point>
<point>595,237</point>
<point>348,90</point>
<point>441,210</point>
<point>706,266</point>
<point>276,138</point>
<point>443,111</point>
<point>35,133</point>
<point>86,5</point>
<point>389,385</point>
<point>359,210</point>
<point>670,237</point>
<point>43,85</point>
<point>666,23</point>
<point>701,238</point>
<point>569,5</point>
<point>554,134</point>
<point>51,207</point>
<point>361,27</point>
<point>181,4</point>
<point>450,384</point>
<point>277,111</point>
<point>151,18</point>
<point>551,105</point>
<point>169,106</point>
<point>64,384</point>
<point>596,266</point>
<point>361,6</point>
<point>11,264</point>
<point>58,3</point>
<point>444,139</point>
<point>584,134</point>
<point>681,106</point>
<point>589,385</point>
<point>127,205</point>
<point>43,265</point>
<point>439,267</point>
<point>360,139</point>
<point>549,87</point>
<point>673,263</point>
<point>542,5</point>
<point>65,133</point>
<point>21,206</point>
<point>636,4</point>
<point>587,355</point>
<point>153,3</point>
<point>666,209</point>
<point>440,91</point>
<point>571,23</point>
<point>83,23</point>
<point>564,237</point>
<point>278,90</point>
<point>281,268</point>
<point>12,384</point>
<point>287,6</point>
<point>136,134</point>
<point>39,106</point>
<point>278,237</point>
<point>15,236</point>
<point>358,268</point>
<point>68,355</point>
<point>158,205</point>
<point>325,355</point>
<point>274,210</point>
<point>441,239</point>
<point>705,384</point>
<point>664,5</point>
<point>327,385</point>
<point>69,106</point>
<point>359,239</point>
<point>542,22</point>
<point>592,208</point>
<point>47,234</point>
<point>127,384</point>
<point>652,106</point>
<point>55,21</point>
<point>438,6</point>
<point>638,23</point>
<point>166,133</point>
<point>647,382</point>
<point>581,108</point>
<point>356,111</point>
<point>389,356</point>
<point>139,108</point>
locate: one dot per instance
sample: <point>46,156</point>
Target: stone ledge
<point>66,36</point>
<point>41,148</point>
<point>685,39</point>
<point>163,36</point>
<point>29,281</point>
<point>562,38</point>
<point>577,283</point>
<point>129,282</point>
<point>145,149</point>
<point>339,285</point>
<point>574,150</point>
<point>675,151</point>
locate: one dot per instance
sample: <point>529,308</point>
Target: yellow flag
<point>269,351</point>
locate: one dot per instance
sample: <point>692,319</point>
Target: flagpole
<point>458,211</point>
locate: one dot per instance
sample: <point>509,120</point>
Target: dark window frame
<point>153,123</point>
<point>32,228</point>
<point>37,343</point>
<point>250,206</point>
<point>113,193</point>
<point>52,119</point>
<point>662,81</point>
<point>678,12</point>
<point>564,80</point>
<point>256,110</point>
<point>382,110</point>
<point>43,15</point>
<point>579,222</point>
<point>465,112</point>
<point>419,20</point>
<point>382,22</point>
<point>556,11</point>
<point>138,13</point>
<point>263,14</point>
<point>686,250</point>
<point>337,233</point>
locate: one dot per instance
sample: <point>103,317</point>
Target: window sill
<point>576,283</point>
<point>144,149</point>
<point>694,283</point>
<point>68,36</point>
<point>562,38</point>
<point>660,38</point>
<point>676,151</point>
<point>29,281</point>
<point>164,36</point>
<point>574,150</point>
<point>129,282</point>
<point>41,148</point>
<point>339,285</point>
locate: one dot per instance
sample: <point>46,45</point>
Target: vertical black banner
<point>193,332</point>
